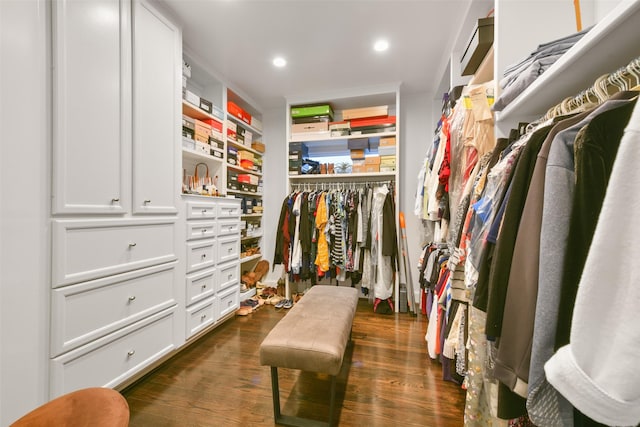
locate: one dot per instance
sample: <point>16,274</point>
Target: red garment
<point>445,168</point>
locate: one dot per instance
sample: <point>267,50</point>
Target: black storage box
<point>477,47</point>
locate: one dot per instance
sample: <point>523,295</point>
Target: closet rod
<point>623,79</point>
<point>338,185</point>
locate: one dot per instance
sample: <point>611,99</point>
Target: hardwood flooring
<point>387,379</point>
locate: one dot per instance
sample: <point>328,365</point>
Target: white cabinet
<point>156,68</point>
<point>91,106</point>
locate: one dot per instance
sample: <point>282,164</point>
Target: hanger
<point>633,70</point>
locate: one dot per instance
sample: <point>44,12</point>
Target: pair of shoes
<point>249,303</point>
<point>285,303</point>
<point>261,269</point>
<point>297,297</point>
<point>243,311</point>
<point>275,300</point>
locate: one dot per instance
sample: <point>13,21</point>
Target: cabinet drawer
<point>201,210</point>
<point>228,275</point>
<point>201,285</point>
<point>229,209</point>
<point>228,249</point>
<point>226,228</point>
<point>229,301</point>
<point>86,311</point>
<point>89,249</point>
<point>112,359</point>
<point>200,230</point>
<point>201,316</point>
<point>201,254</point>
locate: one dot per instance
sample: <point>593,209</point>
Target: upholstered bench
<point>312,337</point>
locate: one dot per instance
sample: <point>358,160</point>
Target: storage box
<point>192,98</point>
<point>202,147</point>
<point>311,119</point>
<point>358,144</point>
<point>206,105</point>
<point>358,113</point>
<point>357,154</point>
<point>186,69</point>
<point>215,125</point>
<point>477,47</point>
<point>236,111</point>
<point>310,136</point>
<point>256,123</point>
<point>188,143</point>
<point>298,148</point>
<point>372,160</point>
<point>387,151</point>
<point>188,122</point>
<point>231,125</point>
<point>388,141</point>
<point>201,138</point>
<point>217,112</point>
<point>244,178</point>
<point>311,110</point>
<point>370,168</point>
<point>310,127</point>
<point>258,146</point>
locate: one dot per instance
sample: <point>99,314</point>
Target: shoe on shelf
<point>261,269</point>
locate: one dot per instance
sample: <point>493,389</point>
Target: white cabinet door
<point>156,98</point>
<point>91,106</point>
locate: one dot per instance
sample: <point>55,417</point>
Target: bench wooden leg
<point>288,420</point>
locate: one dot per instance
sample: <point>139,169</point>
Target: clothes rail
<point>339,185</point>
<point>623,79</point>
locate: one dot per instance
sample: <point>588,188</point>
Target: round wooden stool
<point>96,407</point>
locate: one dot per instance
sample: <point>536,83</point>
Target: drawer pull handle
<point>204,211</point>
<point>115,200</point>
<point>131,245</point>
<point>230,276</point>
<point>204,255</point>
<point>204,286</point>
<point>147,201</point>
<point>131,353</point>
<point>132,298</point>
<point>230,250</point>
<point>204,230</point>
<point>203,317</point>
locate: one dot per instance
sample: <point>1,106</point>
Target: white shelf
<point>247,294</point>
<point>239,169</point>
<point>344,176</point>
<point>244,124</point>
<point>343,138</point>
<point>243,147</point>
<point>611,44</point>
<point>192,111</point>
<point>257,236</point>
<point>199,156</point>
<point>246,193</point>
<point>250,258</point>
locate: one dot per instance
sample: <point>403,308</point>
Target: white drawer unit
<point>228,275</point>
<point>228,248</point>
<point>90,310</point>
<point>229,208</point>
<point>201,254</point>
<point>228,227</point>
<point>201,210</point>
<point>90,249</point>
<point>201,315</point>
<point>110,360</point>
<point>200,229</point>
<point>229,301</point>
<point>201,285</point>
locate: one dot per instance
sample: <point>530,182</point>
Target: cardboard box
<point>372,160</point>
<point>358,144</point>
<point>358,169</point>
<point>215,125</point>
<point>244,178</point>
<point>387,151</point>
<point>388,141</point>
<point>310,136</point>
<point>206,105</point>
<point>202,138</point>
<point>298,148</point>
<point>359,113</point>
<point>232,125</point>
<point>369,168</point>
<point>357,154</point>
<point>311,110</point>
<point>256,123</point>
<point>477,46</point>
<point>186,69</point>
<point>192,98</point>
<point>202,147</point>
<point>258,146</point>
<point>237,111</point>
<point>310,127</point>
<point>387,168</point>
<point>188,122</point>
<point>388,160</point>
<point>311,119</point>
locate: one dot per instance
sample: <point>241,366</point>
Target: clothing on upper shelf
<point>520,76</point>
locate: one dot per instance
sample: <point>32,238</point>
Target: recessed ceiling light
<point>279,62</point>
<point>381,45</point>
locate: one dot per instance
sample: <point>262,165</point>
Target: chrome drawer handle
<point>131,245</point>
<point>204,211</point>
<point>115,199</point>
<point>204,230</point>
<point>203,317</point>
<point>204,255</point>
<point>204,286</point>
<point>230,250</point>
<point>131,353</point>
<point>230,276</point>
<point>147,201</point>
<point>132,298</point>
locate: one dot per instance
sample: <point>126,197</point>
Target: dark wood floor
<point>387,379</point>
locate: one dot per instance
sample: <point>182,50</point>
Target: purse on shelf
<point>203,185</point>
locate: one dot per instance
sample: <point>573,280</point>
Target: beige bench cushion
<point>314,334</point>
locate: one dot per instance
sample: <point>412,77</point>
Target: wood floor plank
<point>387,379</point>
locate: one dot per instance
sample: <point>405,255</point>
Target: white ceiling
<point>328,44</point>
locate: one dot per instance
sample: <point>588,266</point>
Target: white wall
<point>24,207</point>
<point>417,128</point>
<point>274,169</point>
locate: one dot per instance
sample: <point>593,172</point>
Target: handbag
<point>203,185</point>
